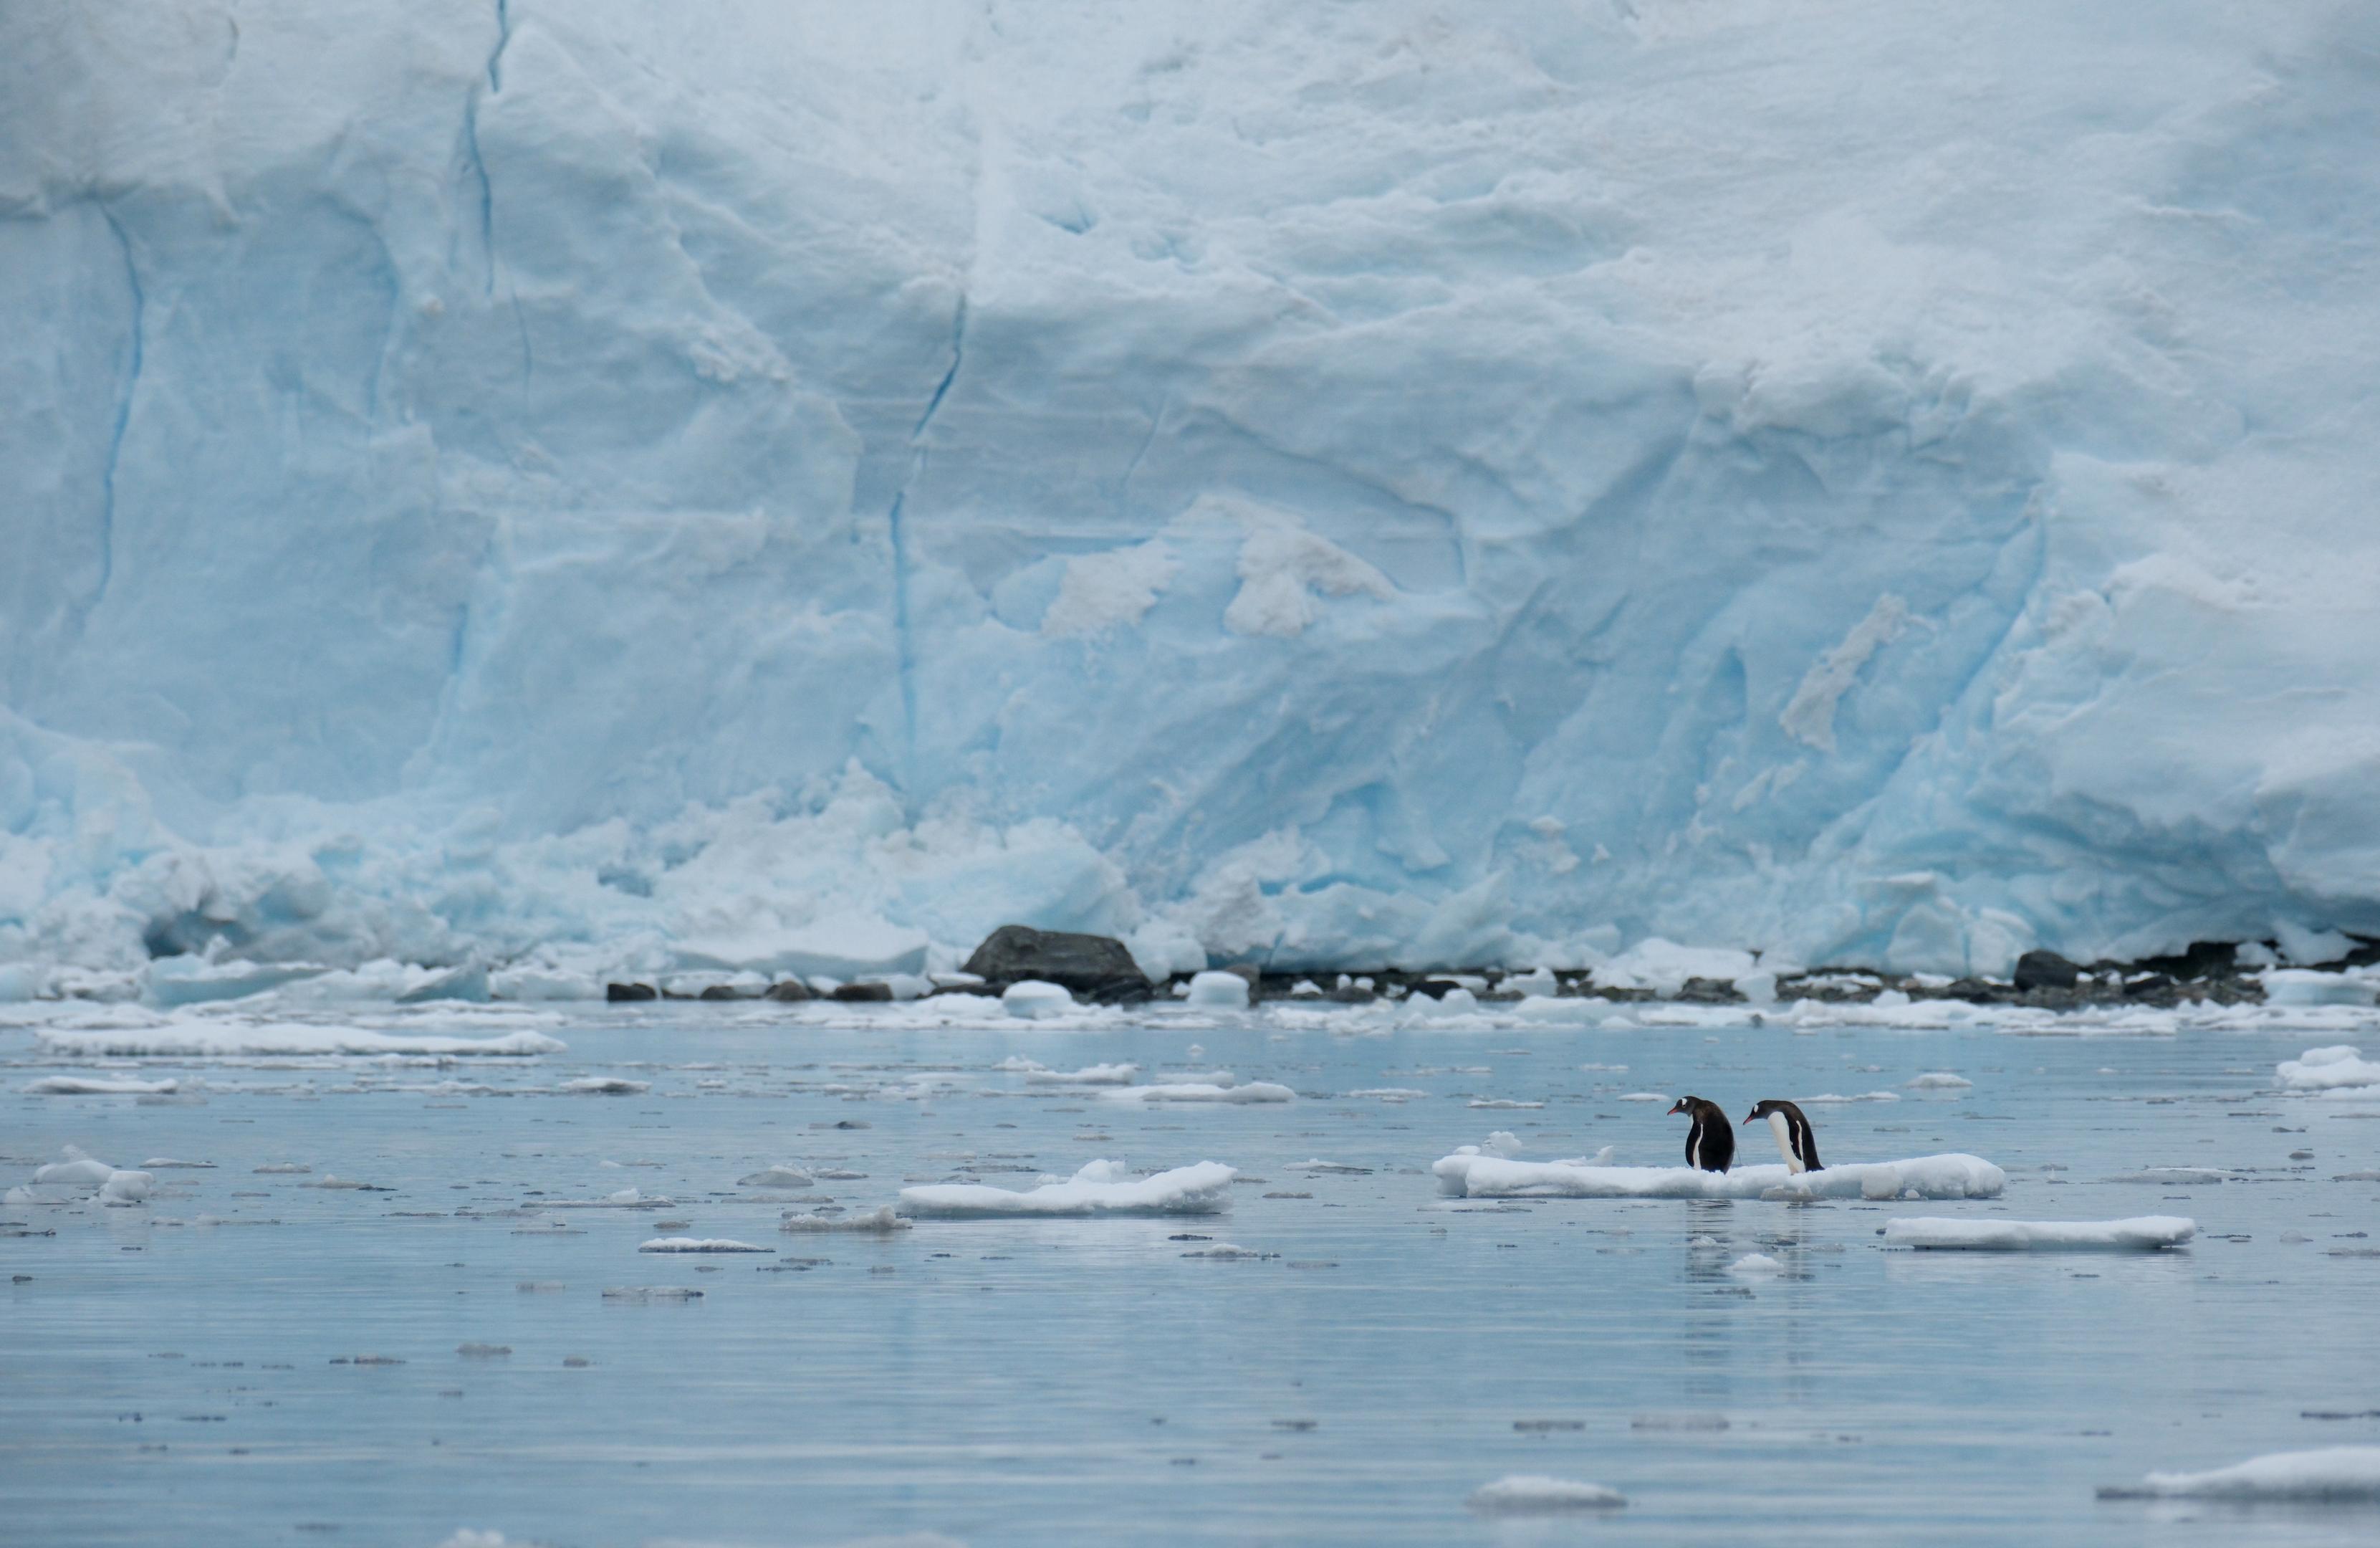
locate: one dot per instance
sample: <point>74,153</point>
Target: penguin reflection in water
<point>1795,1139</point>
<point>1710,1143</point>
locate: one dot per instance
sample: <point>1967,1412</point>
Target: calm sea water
<point>1017,1382</point>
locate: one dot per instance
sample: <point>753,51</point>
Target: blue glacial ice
<point>575,489</point>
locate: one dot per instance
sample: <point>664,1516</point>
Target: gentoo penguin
<point>1795,1139</point>
<point>1710,1144</point>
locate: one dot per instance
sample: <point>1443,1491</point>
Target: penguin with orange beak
<point>1710,1143</point>
<point>1796,1140</point>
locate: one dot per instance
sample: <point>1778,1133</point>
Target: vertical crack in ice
<point>903,639</point>
<point>123,411</point>
<point>504,37</point>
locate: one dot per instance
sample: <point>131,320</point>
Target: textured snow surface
<point>1101,1188</point>
<point>2142,1233</point>
<point>198,1040</point>
<point>1468,1174</point>
<point>592,488</point>
<point>1535,1494</point>
<point>2341,1472</point>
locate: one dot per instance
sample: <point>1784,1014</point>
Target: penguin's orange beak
<point>1749,1117</point>
<point>1677,1107</point>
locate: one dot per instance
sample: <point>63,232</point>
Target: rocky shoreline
<point>1100,970</point>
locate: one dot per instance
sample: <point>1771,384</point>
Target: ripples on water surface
<point>1036,1381</point>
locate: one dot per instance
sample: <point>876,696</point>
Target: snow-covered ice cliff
<point>760,485</point>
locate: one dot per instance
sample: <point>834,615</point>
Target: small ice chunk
<point>484,1351</point>
<point>651,1292</point>
<point>1535,1494</point>
<point>699,1244</point>
<point>605,1085</point>
<point>2142,1233</point>
<point>1219,991</point>
<point>125,1188</point>
<point>168,1164</point>
<point>1536,983</point>
<point>283,1169</point>
<point>1089,1075</point>
<point>1036,1000</point>
<point>1099,1189</point>
<point>79,1169</point>
<point>776,1176</point>
<point>2323,1069</point>
<point>82,1085</point>
<point>1503,1142</point>
<point>1229,1250</point>
<point>876,1222</point>
<point>1755,1265</point>
<point>1337,1166</point>
<point>2169,1177</point>
<point>2342,1473</point>
<point>1200,1091</point>
<point>1939,1081</point>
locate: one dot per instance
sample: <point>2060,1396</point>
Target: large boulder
<point>1082,963</point>
<point>2046,969</point>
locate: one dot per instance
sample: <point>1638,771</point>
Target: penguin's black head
<point>1767,1105</point>
<point>1686,1104</point>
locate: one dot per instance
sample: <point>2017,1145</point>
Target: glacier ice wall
<point>1416,481</point>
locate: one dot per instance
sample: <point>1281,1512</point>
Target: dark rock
<point>1437,989</point>
<point>618,992</point>
<point>1351,996</point>
<point>2205,959</point>
<point>2046,969</point>
<point>1133,990</point>
<point>863,994</point>
<point>1975,991</point>
<point>1082,963</point>
<point>1708,992</point>
<point>791,991</point>
<point>719,992</point>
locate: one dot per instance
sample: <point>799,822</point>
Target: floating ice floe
<point>1219,991</point>
<point>166,1163</point>
<point>1468,1174</point>
<point>1222,1089</point>
<point>1830,1098</point>
<point>1939,1081</point>
<point>627,1199</point>
<point>699,1244</point>
<point>2142,1234</point>
<point>876,1221</point>
<point>1386,1093</point>
<point>2323,1069</point>
<point>1755,1265</point>
<point>1035,1000</point>
<point>193,1038</point>
<point>776,1176</point>
<point>2341,1472</point>
<point>2169,1177</point>
<point>649,1292</point>
<point>604,1085</point>
<point>1320,1165</point>
<point>1229,1252</point>
<point>1535,1494</point>
<point>82,1085</point>
<point>1101,1188</point>
<point>1089,1075</point>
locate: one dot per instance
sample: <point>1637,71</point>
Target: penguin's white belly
<point>1778,1127</point>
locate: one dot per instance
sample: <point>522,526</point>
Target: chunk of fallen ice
<point>2303,986</point>
<point>605,1085</point>
<point>1229,1253</point>
<point>1320,1165</point>
<point>77,1168</point>
<point>1201,1091</point>
<point>195,1038</point>
<point>1472,1175</point>
<point>2323,1069</point>
<point>125,1188</point>
<point>1939,1081</point>
<point>2142,1233</point>
<point>166,1163</point>
<point>2341,1472</point>
<point>699,1244</point>
<point>1035,1000</point>
<point>879,1219</point>
<point>1535,1494</point>
<point>776,1176</point>
<point>1089,1075</point>
<point>2169,1177</point>
<point>82,1085</point>
<point>1219,991</point>
<point>649,1292</point>
<point>1755,1265</point>
<point>1101,1188</point>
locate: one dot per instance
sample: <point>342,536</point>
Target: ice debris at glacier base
<point>1471,1173</point>
<point>2339,1474</point>
<point>2338,1068</point>
<point>2146,1233</point>
<point>1537,1494</point>
<point>1100,1187</point>
<point>1834,551</point>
